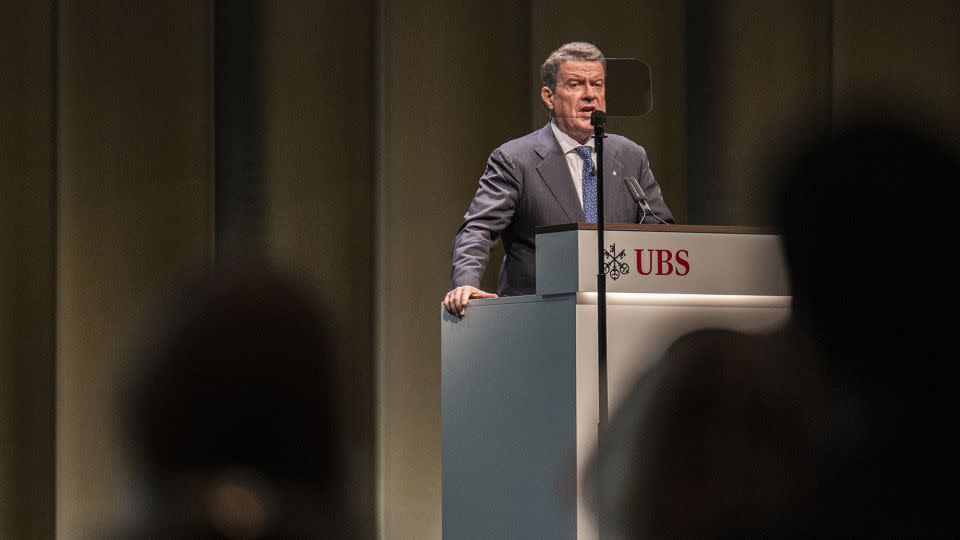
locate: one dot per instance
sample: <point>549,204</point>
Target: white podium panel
<point>519,392</point>
<point>661,258</point>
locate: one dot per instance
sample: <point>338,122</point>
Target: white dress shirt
<point>574,163</point>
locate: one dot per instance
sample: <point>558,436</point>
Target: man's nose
<point>589,93</point>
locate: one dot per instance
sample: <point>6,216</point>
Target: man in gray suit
<point>541,179</point>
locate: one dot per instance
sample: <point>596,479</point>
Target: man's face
<point>580,91</point>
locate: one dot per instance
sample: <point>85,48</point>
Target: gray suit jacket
<point>527,184</point>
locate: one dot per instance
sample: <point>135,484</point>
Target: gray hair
<point>576,50</point>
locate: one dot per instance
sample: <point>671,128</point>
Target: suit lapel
<point>612,186</point>
<point>556,175</point>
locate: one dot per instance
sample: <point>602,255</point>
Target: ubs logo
<point>662,262</point>
<point>613,264</point>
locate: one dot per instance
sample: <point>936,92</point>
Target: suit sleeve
<point>652,190</point>
<point>490,213</point>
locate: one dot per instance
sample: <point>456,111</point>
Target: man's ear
<point>547,96</point>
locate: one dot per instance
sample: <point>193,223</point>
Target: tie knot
<point>585,152</point>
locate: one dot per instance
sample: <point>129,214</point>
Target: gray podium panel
<point>508,428</point>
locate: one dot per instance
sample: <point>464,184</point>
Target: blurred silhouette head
<point>233,413</point>
<point>825,428</point>
<point>718,440</point>
<point>867,213</point>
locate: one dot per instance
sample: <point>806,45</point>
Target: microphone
<point>633,186</point>
<point>598,118</point>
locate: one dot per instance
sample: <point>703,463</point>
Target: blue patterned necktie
<point>589,183</point>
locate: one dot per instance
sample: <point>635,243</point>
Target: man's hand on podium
<point>456,300</point>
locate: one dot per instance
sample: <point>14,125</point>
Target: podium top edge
<point>721,229</point>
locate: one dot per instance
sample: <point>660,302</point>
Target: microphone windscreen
<point>598,118</point>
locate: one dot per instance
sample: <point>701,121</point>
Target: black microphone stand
<point>598,119</point>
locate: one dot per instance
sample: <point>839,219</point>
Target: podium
<point>519,375</point>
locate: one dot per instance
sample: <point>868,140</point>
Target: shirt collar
<point>568,143</point>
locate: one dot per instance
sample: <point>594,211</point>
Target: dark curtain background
<point>139,142</point>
